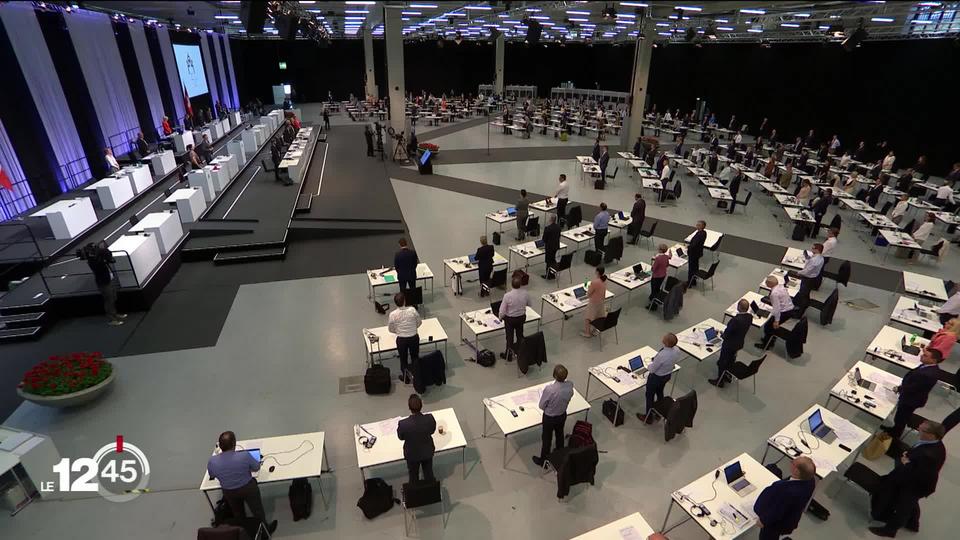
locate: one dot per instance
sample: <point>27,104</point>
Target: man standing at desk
<point>405,262</point>
<point>733,336</point>
<point>819,208</point>
<point>600,223</point>
<point>234,470</point>
<point>781,311</point>
<point>523,212</point>
<point>810,274</point>
<point>416,432</point>
<point>551,244</point>
<point>553,402</point>
<point>513,313</point>
<point>914,390</point>
<point>484,257</point>
<point>695,251</point>
<point>659,372</point>
<point>404,322</point>
<point>781,504</point>
<point>603,162</point>
<point>637,215</point>
<point>562,194</point>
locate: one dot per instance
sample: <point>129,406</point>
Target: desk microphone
<point>512,412</point>
<point>367,440</point>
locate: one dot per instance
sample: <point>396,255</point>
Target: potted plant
<point>67,381</point>
<point>429,146</point>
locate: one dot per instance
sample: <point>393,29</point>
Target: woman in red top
<point>167,130</point>
<point>945,338</point>
<point>295,122</point>
<point>661,262</point>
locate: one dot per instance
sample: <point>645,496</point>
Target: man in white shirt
<point>900,209</point>
<point>665,174</point>
<point>112,163</point>
<point>951,308</point>
<point>944,196</point>
<point>727,173</point>
<point>834,144</point>
<point>830,243</point>
<point>404,322</point>
<point>845,160</point>
<point>737,139</point>
<point>781,311</point>
<point>888,161</point>
<point>513,313</point>
<point>923,231</point>
<point>562,194</point>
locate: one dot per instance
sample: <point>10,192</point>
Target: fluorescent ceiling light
<point>540,17</point>
<point>627,15</point>
<point>688,8</point>
<point>478,8</point>
<point>725,28</point>
<point>663,24</point>
<point>547,24</point>
<point>801,15</point>
<point>755,30</point>
<point>753,11</point>
<point>411,13</point>
<point>721,20</point>
<point>360,3</point>
<point>667,34</point>
<point>790,25</point>
<point>882,19</point>
<point>423,6</point>
<point>310,2</point>
<point>533,10</point>
<point>634,4</point>
<point>357,18</point>
<point>227,17</point>
<point>579,20</point>
<point>576,12</point>
<point>356,11</point>
<point>511,22</point>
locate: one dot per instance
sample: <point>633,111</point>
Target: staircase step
<point>21,320</point>
<point>304,201</point>
<point>251,255</point>
<point>8,335</point>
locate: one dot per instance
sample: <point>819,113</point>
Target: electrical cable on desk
<point>803,440</point>
<point>788,443</point>
<point>273,455</point>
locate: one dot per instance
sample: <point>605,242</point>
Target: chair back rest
<point>574,217</point>
<point>653,228</point>
<point>836,222</point>
<point>713,268</point>
<point>843,275</point>
<point>615,247</point>
<point>413,297</point>
<point>677,189</point>
<point>421,493</point>
<point>566,261</point>
<point>533,222</point>
<point>498,278</point>
<point>612,319</point>
<point>908,228</point>
<point>754,366</point>
<point>886,207</point>
<point>747,200</point>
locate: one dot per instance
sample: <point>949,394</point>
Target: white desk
<point>702,491</point>
<point>143,252</point>
<point>676,261</point>
<point>632,527</point>
<point>237,148</point>
<point>162,163</point>
<point>576,235</point>
<point>617,224</point>
<point>924,286</point>
<point>113,191</point>
<point>565,302</point>
<point>629,280</point>
<point>519,410</point>
<point>771,187</point>
<point>138,175</point>
<point>250,142</point>
<point>887,345</point>
<point>382,277</point>
<point>878,402</point>
<point>260,132</point>
<point>291,456</point>
<point>389,448</point>
<point>462,265</point>
<point>181,140</point>
<point>621,382</point>
<point>793,285</point>
<point>788,201</point>
<point>710,182</point>
<point>483,321</point>
<point>878,220</point>
<point>528,251</point>
<point>790,440</point>
<point>800,215</point>
<point>235,119</point>
<point>380,340</point>
<point>794,258</point>
<point>691,340</point>
<point>201,179</point>
<point>165,228</point>
<point>720,194</point>
<point>545,206</point>
<point>190,203</point>
<point>750,296</point>
<point>69,217</point>
<point>501,218</point>
<point>857,206</point>
<point>915,315</point>
<point>219,175</point>
<point>229,162</point>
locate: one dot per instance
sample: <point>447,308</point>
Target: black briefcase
<point>610,409</point>
<point>496,238</point>
<point>591,257</point>
<point>376,380</point>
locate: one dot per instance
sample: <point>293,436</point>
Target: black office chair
<point>703,275</point>
<point>934,251</point>
<point>743,204</point>
<point>863,477</point>
<point>497,279</point>
<point>648,234</point>
<point>608,322</point>
<point>741,372</point>
<point>615,171</point>
<point>574,216</point>
<point>613,250</point>
<point>565,262</point>
<point>633,230</point>
<point>533,226</point>
<point>886,207</point>
<point>827,308</point>
<point>415,495</point>
<point>672,194</point>
<point>841,276</point>
<point>133,220</point>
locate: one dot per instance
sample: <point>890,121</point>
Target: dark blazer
<point>639,211</point>
<point>916,386</point>
<point>603,161</point>
<point>416,432</point>
<point>406,261</point>
<point>782,503</point>
<point>637,149</point>
<point>822,205</point>
<point>736,331</point>
<point>595,154</point>
<point>919,476</point>
<point>484,257</point>
<point>734,186</point>
<point>551,237</point>
<point>695,247</point>
<point>142,147</point>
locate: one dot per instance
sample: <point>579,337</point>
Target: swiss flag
<point>186,102</point>
<point>5,180</point>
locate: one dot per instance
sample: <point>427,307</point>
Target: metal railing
<point>64,283</point>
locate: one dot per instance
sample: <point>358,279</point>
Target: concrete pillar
<point>393,32</point>
<point>498,82</point>
<point>638,91</point>
<point>371,87</point>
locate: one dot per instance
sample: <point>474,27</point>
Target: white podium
<point>235,119</point>
<point>269,122</point>
<point>141,250</point>
<point>224,127</point>
<point>162,163</point>
<point>165,228</point>
<point>220,176</point>
<point>69,217</point>
<point>180,141</point>
<point>201,179</point>
<point>139,177</point>
<point>237,147</point>
<point>190,203</point>
<point>260,131</point>
<point>228,161</point>
<point>216,131</point>
<point>249,140</point>
<point>112,191</point>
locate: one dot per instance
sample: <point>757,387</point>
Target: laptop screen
<point>733,472</point>
<point>710,333</point>
<point>539,244</point>
<point>512,211</point>
<point>856,375</point>
<point>579,292</point>
<point>254,453</point>
<point>636,363</point>
<point>621,216</point>
<point>637,269</point>
<point>472,258</point>
<point>815,421</point>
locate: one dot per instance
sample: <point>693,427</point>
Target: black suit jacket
<point>484,257</point>
<point>736,331</point>
<point>695,247</point>
<point>639,212</point>
<point>142,147</point>
<point>919,477</point>
<point>822,205</point>
<point>416,432</point>
<point>873,196</point>
<point>405,261</point>
<point>734,186</point>
<point>596,152</point>
<point>916,386</point>
<point>782,503</point>
<point>603,161</point>
<point>551,237</point>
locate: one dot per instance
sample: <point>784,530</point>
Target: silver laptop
<point>737,480</point>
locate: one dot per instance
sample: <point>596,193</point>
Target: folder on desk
<point>389,279</point>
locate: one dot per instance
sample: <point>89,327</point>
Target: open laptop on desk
<point>907,348</point>
<point>711,336</point>
<point>639,273</point>
<point>819,429</point>
<point>580,293</point>
<point>636,366</point>
<point>737,480</point>
<point>472,259</point>
<point>758,311</point>
<point>861,382</point>
<point>512,211</point>
<point>539,243</point>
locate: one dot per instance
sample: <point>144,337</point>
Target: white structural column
<point>393,31</point>
<point>498,84</point>
<point>641,76</point>
<point>371,88</point>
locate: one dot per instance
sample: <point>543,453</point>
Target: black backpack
<point>377,498</point>
<point>221,513</point>
<point>377,380</point>
<point>301,499</point>
<point>486,358</point>
<point>496,238</point>
<point>592,257</point>
<point>610,409</point>
<point>799,232</point>
<point>599,184</point>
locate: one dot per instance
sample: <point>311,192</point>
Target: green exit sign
<point>283,65</point>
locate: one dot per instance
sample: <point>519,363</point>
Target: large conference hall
<point>268,268</point>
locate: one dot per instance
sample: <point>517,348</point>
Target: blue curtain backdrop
<point>208,70</point>
<point>217,66</point>
<point>176,89</point>
<point>220,43</point>
<point>147,73</point>
<point>21,198</point>
<point>233,74</point>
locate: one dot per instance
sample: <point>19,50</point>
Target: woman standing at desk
<point>596,294</point>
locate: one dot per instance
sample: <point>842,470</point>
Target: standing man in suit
<point>914,390</point>
<point>809,275</point>
<point>523,212</point>
<point>733,336</point>
<point>600,224</point>
<point>406,261</point>
<point>484,257</point>
<point>551,244</point>
<point>819,208</point>
<point>562,195</point>
<point>368,137</point>
<point>782,503</point>
<point>595,154</point>
<point>637,215</point>
<point>695,251</point>
<point>603,162</point>
<point>416,432</point>
<point>553,403</point>
<point>897,500</point>
<point>734,188</point>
